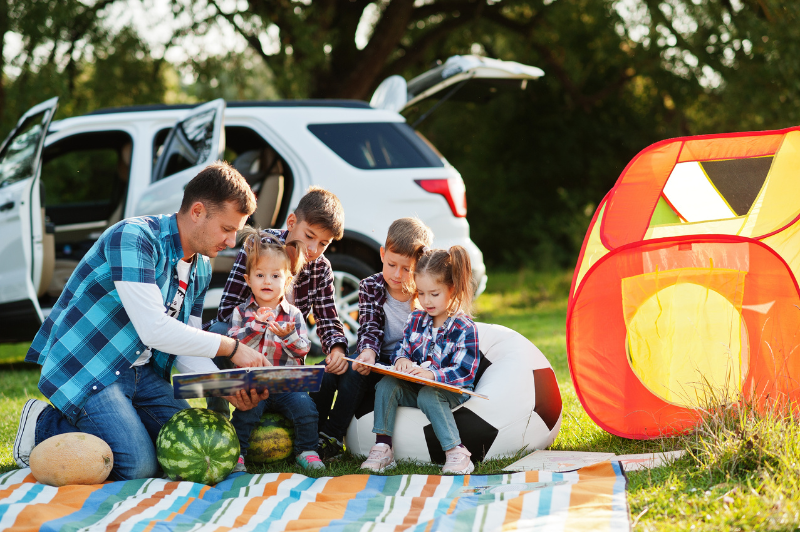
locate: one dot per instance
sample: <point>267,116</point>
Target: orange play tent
<point>685,294</point>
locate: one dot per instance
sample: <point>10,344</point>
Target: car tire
<point>348,271</point>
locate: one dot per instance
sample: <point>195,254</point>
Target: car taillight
<point>453,191</point>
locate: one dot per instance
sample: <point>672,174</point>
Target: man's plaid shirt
<point>313,290</point>
<point>281,351</point>
<point>88,340</point>
<point>454,354</point>
<point>371,316</point>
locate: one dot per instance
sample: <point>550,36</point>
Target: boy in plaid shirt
<point>385,300</point>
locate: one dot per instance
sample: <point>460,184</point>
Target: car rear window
<point>377,145</point>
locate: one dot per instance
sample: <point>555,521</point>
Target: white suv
<point>60,190</point>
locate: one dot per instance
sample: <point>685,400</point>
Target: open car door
<point>21,224</point>
<point>195,141</point>
<point>473,77</point>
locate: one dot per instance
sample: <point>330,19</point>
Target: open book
<point>390,371</point>
<point>275,379</point>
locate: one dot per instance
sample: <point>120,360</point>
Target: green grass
<point>742,472</point>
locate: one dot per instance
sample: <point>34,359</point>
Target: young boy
<point>317,221</point>
<point>385,300</point>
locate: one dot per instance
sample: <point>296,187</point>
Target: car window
<point>377,145</point>
<point>85,176</point>
<point>189,143</point>
<point>17,159</point>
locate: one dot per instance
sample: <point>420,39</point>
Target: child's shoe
<point>329,447</point>
<point>381,457</point>
<point>457,461</point>
<point>240,467</point>
<point>310,461</point>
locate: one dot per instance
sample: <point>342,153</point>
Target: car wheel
<point>347,273</point>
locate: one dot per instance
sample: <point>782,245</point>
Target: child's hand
<point>421,372</point>
<point>403,365</point>
<point>368,356</point>
<point>281,331</point>
<point>264,314</point>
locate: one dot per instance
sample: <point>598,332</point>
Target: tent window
<point>738,180</point>
<point>711,190</point>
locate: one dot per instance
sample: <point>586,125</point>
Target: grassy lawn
<point>743,472</point>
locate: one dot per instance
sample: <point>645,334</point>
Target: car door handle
<point>7,206</point>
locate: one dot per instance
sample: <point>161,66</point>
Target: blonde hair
<point>452,268</point>
<point>408,237</point>
<point>320,207</point>
<point>258,245</point>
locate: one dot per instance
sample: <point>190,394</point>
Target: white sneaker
<point>381,457</point>
<point>457,461</point>
<point>26,433</point>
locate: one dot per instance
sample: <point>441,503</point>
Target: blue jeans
<point>391,393</point>
<point>128,415</point>
<point>296,406</point>
<point>352,389</point>
<point>220,405</point>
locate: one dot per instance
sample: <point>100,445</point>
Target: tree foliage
<point>620,74</point>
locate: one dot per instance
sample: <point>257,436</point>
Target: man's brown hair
<point>320,207</point>
<point>408,236</point>
<point>216,184</point>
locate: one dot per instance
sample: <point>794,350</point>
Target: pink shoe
<point>457,461</point>
<point>381,457</point>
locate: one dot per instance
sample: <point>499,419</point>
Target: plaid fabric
<point>313,290</point>
<point>88,339</point>
<point>453,354</point>
<point>371,317</point>
<point>282,351</point>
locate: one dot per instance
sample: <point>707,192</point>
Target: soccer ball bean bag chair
<point>523,409</point>
<point>685,295</point>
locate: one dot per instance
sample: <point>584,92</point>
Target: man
<point>130,312</point>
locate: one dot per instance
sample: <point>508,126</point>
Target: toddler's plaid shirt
<point>281,351</point>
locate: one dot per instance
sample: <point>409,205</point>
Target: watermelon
<point>272,440</point>
<point>197,445</point>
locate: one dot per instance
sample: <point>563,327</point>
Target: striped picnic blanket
<point>592,498</point>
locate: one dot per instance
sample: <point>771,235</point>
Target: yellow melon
<point>72,459</point>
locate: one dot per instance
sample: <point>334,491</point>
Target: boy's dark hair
<point>320,207</point>
<point>216,184</point>
<point>408,236</point>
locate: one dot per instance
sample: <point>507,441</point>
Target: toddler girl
<point>267,322</point>
<point>442,337</point>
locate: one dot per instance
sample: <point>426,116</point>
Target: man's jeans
<point>128,415</point>
<point>296,406</point>
<point>353,388</point>
<point>436,403</point>
<point>220,405</point>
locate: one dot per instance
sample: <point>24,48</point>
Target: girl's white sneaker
<point>381,457</point>
<point>457,461</point>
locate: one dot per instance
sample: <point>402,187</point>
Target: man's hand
<point>421,372</point>
<point>368,356</point>
<point>335,363</point>
<point>244,356</point>
<point>403,365</point>
<point>281,331</point>
<point>246,400</point>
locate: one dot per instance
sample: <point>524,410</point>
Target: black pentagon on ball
<point>477,435</point>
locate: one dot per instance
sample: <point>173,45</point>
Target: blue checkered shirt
<point>453,354</point>
<point>88,340</point>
